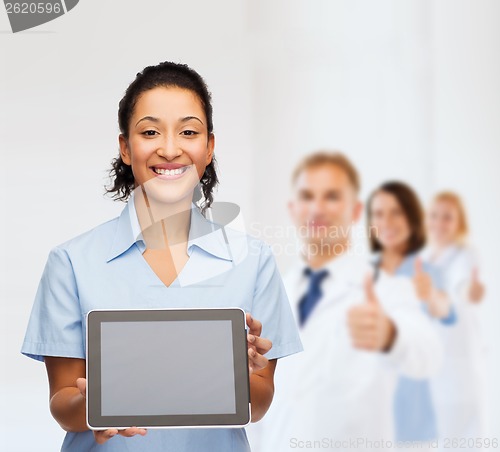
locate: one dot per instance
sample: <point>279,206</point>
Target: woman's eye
<point>189,133</point>
<point>150,133</point>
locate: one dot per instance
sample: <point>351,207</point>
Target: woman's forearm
<point>68,409</point>
<point>261,395</point>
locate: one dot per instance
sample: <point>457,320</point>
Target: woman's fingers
<point>260,344</point>
<point>101,436</point>
<point>254,326</point>
<point>257,346</point>
<point>256,361</point>
<point>423,285</point>
<point>132,431</point>
<point>81,383</point>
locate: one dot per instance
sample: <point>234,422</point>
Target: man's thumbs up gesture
<point>370,328</point>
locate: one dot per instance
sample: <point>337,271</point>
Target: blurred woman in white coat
<point>459,391</point>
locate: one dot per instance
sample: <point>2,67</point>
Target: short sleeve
<point>271,307</point>
<point>55,324</point>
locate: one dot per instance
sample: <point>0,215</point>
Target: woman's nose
<point>169,149</point>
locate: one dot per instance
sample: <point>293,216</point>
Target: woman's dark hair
<point>412,209</point>
<point>166,74</point>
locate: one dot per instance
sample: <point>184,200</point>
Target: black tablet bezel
<point>96,421</point>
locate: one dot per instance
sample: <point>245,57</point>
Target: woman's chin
<point>442,242</point>
<point>392,245</point>
<point>162,191</point>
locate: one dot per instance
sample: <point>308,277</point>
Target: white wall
<point>354,76</point>
<point>466,71</point>
<point>408,89</point>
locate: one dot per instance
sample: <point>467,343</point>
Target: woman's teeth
<point>172,172</point>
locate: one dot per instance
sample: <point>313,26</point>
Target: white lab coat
<point>460,388</point>
<point>332,392</point>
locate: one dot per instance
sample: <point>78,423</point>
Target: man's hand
<point>101,436</point>
<point>257,346</point>
<point>370,328</point>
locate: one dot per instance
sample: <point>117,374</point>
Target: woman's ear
<point>210,148</point>
<point>124,150</point>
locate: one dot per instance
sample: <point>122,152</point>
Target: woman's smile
<point>170,171</point>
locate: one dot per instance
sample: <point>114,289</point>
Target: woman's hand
<point>101,436</point>
<point>437,301</point>
<point>422,281</point>
<point>257,346</point>
<point>476,288</point>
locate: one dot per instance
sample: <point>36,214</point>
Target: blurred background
<point>408,90</point>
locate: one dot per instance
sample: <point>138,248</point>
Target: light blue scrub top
<point>104,269</point>
<point>415,418</point>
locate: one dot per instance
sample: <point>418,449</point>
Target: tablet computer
<point>167,368</point>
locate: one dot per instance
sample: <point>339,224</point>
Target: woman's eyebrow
<point>147,118</point>
<point>187,118</point>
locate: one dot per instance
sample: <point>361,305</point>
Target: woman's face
<point>388,222</point>
<point>169,145</point>
<point>443,223</point>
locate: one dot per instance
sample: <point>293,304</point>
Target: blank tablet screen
<point>167,368</point>
<point>159,351</point>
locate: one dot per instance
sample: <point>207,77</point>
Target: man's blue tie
<point>313,294</point>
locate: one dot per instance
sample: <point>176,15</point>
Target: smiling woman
<point>396,216</point>
<point>161,252</point>
<point>186,92</point>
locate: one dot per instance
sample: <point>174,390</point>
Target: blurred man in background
<point>357,335</point>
